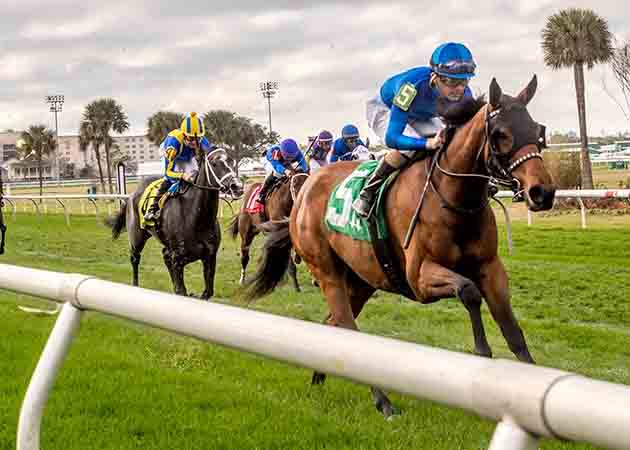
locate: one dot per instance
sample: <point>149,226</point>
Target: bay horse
<point>187,228</point>
<point>278,206</point>
<point>453,249</point>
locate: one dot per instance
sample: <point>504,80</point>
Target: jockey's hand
<point>187,177</point>
<point>434,143</point>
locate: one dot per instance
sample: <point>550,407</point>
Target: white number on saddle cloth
<point>343,197</point>
<point>361,153</point>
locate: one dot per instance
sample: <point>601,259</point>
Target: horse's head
<point>220,173</point>
<point>515,142</point>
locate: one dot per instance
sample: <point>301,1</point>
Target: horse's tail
<point>233,225</point>
<point>274,261</point>
<point>117,223</point>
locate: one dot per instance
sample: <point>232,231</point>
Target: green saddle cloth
<point>341,217</point>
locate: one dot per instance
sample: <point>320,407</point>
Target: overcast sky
<point>328,57</point>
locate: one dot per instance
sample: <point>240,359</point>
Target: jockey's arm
<point>171,155</point>
<point>336,151</point>
<point>394,138</point>
<point>277,166</point>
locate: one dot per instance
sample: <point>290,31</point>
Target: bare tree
<point>620,64</point>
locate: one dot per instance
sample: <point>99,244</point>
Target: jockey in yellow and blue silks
<point>179,160</point>
<point>280,158</point>
<point>403,114</point>
<point>345,145</point>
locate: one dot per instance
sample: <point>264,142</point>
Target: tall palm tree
<point>574,38</point>
<point>37,142</point>
<point>161,123</point>
<point>103,116</point>
<point>89,136</point>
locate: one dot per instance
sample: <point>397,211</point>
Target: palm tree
<point>101,117</point>
<point>37,142</point>
<point>161,123</point>
<point>89,136</point>
<point>574,38</point>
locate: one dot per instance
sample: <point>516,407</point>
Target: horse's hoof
<point>314,282</point>
<point>318,379</point>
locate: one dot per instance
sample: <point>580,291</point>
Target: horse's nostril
<point>537,194</point>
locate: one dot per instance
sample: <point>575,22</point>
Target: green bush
<point>564,168</point>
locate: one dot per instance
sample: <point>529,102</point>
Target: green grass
<point>128,386</point>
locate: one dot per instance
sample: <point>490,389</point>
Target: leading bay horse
<point>453,249</point>
<point>187,228</point>
<point>278,206</point>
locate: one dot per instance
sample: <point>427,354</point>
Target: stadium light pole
<point>56,106</point>
<point>268,90</point>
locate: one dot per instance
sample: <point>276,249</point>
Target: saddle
<point>149,194</point>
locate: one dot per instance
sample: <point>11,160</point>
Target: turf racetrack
<point>128,386</point>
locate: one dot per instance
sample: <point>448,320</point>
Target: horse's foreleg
<point>436,282</point>
<point>209,269</point>
<point>3,229</point>
<point>175,266</point>
<point>494,286</point>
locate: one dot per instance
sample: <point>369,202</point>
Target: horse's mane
<point>458,113</point>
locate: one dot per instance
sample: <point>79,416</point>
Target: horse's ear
<point>495,93</point>
<point>526,94</point>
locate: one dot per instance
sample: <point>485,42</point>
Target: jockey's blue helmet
<point>453,60</point>
<point>289,149</point>
<point>349,131</point>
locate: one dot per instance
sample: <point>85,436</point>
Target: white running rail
<point>528,401</point>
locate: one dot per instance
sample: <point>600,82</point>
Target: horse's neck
<point>280,203</point>
<point>204,202</point>
<point>463,157</point>
<point>462,154</point>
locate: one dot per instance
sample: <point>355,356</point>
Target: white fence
<point>578,194</point>
<point>528,401</point>
<point>59,199</point>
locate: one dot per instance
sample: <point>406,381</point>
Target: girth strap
<point>388,262</point>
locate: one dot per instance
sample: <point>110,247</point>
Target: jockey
<point>321,149</point>
<point>403,114</point>
<point>345,145</point>
<point>281,157</point>
<point>179,160</point>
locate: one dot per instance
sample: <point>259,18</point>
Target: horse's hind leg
<point>436,282</point>
<point>494,286</point>
<point>137,240</point>
<point>293,274</point>
<point>346,298</point>
<point>247,236</point>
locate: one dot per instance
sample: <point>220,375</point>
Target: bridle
<point>498,166</point>
<point>212,177</point>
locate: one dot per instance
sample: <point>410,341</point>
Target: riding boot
<point>364,204</point>
<point>153,211</point>
<point>262,195</point>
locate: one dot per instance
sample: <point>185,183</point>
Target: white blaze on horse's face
<point>221,174</point>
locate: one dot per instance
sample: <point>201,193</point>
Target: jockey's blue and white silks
<point>276,162</point>
<point>178,157</point>
<point>403,114</point>
<point>341,151</point>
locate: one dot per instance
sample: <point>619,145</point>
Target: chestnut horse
<point>277,207</point>
<point>453,249</point>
